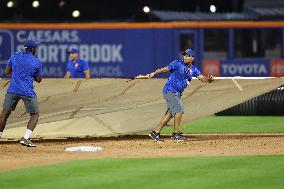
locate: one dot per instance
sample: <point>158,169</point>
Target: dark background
<point>106,10</point>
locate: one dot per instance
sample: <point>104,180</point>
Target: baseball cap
<point>189,52</point>
<point>31,44</point>
<point>73,50</point>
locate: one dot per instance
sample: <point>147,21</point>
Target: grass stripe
<point>234,124</point>
<point>192,172</point>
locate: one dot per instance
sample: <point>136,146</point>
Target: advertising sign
<point>110,53</point>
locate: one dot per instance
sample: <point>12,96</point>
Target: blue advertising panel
<point>245,68</point>
<point>109,52</point>
<point>123,53</point>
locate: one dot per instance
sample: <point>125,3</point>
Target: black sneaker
<point>27,142</point>
<point>178,137</point>
<point>156,136</point>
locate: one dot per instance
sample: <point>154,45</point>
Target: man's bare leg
<point>177,120</point>
<point>167,117</point>
<point>30,127</point>
<point>177,134</point>
<point>3,119</point>
<point>33,121</point>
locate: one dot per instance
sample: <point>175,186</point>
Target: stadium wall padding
<point>123,50</point>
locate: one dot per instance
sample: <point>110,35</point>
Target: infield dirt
<point>14,156</point>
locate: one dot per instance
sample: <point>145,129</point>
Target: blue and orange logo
<point>211,67</point>
<point>277,68</point>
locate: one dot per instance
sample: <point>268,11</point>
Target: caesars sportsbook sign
<point>108,52</point>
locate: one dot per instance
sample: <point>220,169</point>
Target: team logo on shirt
<point>76,65</point>
<point>190,71</point>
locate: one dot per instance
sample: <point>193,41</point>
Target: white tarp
<point>112,107</point>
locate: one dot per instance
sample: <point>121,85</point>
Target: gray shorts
<point>11,101</point>
<point>174,103</point>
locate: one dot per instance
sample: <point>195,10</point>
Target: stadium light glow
<point>35,4</point>
<point>212,8</point>
<point>61,3</point>
<point>146,9</point>
<point>10,4</point>
<point>76,13</point>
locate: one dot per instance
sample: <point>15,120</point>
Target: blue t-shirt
<point>25,66</point>
<point>77,68</point>
<point>181,75</point>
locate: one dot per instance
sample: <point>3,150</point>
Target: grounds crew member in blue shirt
<point>77,68</point>
<point>181,73</point>
<point>25,67</point>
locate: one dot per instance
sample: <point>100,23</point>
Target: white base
<point>84,149</point>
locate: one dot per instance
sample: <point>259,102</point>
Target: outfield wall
<point>119,50</point>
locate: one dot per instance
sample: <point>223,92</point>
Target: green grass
<point>234,124</point>
<point>253,172</point>
<point>193,172</point>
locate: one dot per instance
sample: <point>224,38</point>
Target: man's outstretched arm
<point>203,78</point>
<point>67,75</point>
<point>37,78</point>
<point>87,74</point>
<point>8,70</point>
<point>158,71</point>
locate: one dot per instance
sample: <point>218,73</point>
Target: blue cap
<point>73,50</point>
<point>31,44</point>
<point>189,52</point>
